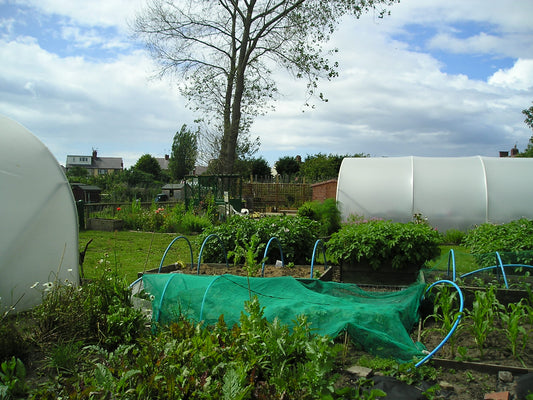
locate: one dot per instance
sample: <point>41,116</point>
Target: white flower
<point>48,286</point>
<point>34,285</point>
<point>152,297</point>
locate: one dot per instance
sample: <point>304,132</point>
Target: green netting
<point>379,321</point>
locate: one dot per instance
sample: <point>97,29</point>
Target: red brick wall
<point>324,190</point>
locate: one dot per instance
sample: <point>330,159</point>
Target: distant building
<point>94,164</point>
<point>514,152</point>
<point>87,193</point>
<point>163,162</point>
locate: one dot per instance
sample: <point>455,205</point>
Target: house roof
<point>173,186</point>
<point>87,188</point>
<point>107,162</point>
<point>96,162</point>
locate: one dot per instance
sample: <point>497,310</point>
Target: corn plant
<point>484,308</point>
<point>512,319</point>
<point>445,314</point>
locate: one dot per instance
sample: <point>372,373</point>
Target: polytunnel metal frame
<point>500,266</point>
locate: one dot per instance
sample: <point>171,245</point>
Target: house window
<point>84,159</point>
<point>102,171</point>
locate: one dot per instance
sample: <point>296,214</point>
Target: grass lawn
<point>131,252</point>
<point>464,261</point>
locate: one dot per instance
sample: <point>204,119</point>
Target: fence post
<point>80,208</point>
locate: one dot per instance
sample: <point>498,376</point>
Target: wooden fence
<point>264,196</point>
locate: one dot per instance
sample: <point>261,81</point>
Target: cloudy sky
<point>435,78</point>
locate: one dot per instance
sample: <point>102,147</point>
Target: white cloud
<point>520,76</point>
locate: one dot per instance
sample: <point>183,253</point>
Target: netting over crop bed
<point>379,321</point>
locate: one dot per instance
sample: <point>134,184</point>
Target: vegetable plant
<point>513,317</point>
<point>484,309</point>
<point>445,313</point>
<point>378,242</point>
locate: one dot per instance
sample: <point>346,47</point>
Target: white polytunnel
<point>38,220</point>
<point>452,192</point>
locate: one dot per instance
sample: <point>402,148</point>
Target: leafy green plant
<point>484,309</point>
<point>326,213</point>
<point>64,356</point>
<point>514,238</point>
<point>445,313</point>
<point>297,236</point>
<point>12,379</point>
<point>453,236</point>
<point>513,317</point>
<point>379,243</point>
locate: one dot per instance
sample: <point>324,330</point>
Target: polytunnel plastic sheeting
<point>39,225</point>
<point>452,192</point>
<point>380,322</point>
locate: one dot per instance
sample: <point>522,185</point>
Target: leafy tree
<point>528,112</point>
<point>257,167</point>
<point>287,166</point>
<point>149,165</point>
<point>321,167</point>
<point>225,52</point>
<point>184,153</point>
<point>77,174</point>
<point>528,152</point>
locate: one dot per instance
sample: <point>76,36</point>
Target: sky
<point>434,79</point>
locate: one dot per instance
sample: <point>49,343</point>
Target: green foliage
<point>378,243</point>
<point>149,165</point>
<point>184,153</point>
<point>454,236</point>
<point>258,359</point>
<point>481,316</point>
<point>287,166</point>
<point>514,318</point>
<point>513,237</point>
<point>297,236</point>
<point>98,312</point>
<point>445,312</point>
<point>326,212</point>
<point>320,167</point>
<point>12,379</point>
<point>170,218</point>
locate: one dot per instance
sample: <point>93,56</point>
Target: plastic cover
<point>380,322</point>
<point>454,192</point>
<point>39,226</point>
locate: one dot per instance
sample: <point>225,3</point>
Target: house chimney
<point>514,151</point>
<point>95,153</point>
<point>166,157</point>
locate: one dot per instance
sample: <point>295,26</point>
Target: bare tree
<point>224,52</point>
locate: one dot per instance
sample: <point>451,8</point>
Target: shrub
<point>326,212</point>
<point>297,236</point>
<point>454,236</point>
<point>380,243</point>
<point>515,239</point>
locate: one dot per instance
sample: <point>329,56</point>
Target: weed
<point>12,379</point>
